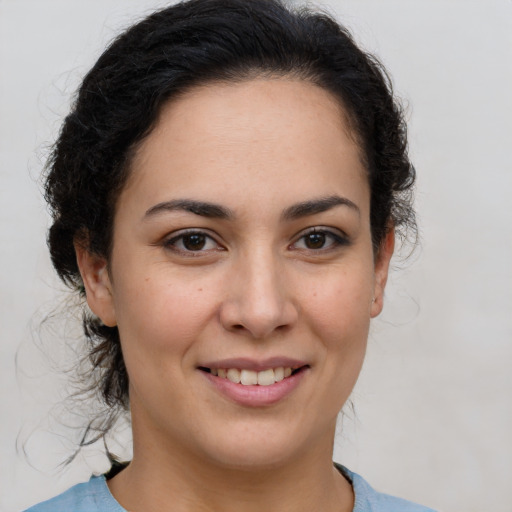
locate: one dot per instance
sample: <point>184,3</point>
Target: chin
<point>255,445</point>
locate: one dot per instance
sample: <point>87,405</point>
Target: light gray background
<point>434,411</point>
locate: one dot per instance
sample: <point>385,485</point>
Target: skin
<point>259,287</point>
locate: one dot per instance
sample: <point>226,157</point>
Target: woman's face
<point>242,246</point>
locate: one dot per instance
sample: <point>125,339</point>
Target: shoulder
<point>91,496</point>
<point>368,499</point>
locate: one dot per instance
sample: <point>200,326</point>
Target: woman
<point>225,192</point>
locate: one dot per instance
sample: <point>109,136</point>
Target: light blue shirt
<point>95,496</point>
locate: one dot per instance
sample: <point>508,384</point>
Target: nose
<point>258,300</point>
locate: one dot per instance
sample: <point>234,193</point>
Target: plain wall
<point>434,402</point>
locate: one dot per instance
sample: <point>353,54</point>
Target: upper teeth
<point>250,377</point>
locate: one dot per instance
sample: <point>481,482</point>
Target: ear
<point>98,288</point>
<point>382,260</point>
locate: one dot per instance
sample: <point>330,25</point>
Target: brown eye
<point>314,240</point>
<point>320,239</point>
<point>194,241</point>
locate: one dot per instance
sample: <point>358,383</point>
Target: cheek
<point>339,309</point>
<point>337,312</point>
<point>160,314</point>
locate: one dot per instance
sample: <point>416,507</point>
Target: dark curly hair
<point>193,43</point>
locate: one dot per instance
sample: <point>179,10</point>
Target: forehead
<point>259,138</point>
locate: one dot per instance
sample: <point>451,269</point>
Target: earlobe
<point>97,283</point>
<point>381,271</point>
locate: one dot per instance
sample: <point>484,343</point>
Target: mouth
<point>247,377</point>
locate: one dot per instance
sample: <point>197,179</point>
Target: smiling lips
<point>250,377</point>
<point>253,383</point>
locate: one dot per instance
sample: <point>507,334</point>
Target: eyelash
<point>337,240</point>
<point>172,243</point>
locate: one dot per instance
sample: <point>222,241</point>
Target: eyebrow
<point>315,206</point>
<point>216,211</point>
<point>201,208</point>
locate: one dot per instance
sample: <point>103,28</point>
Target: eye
<point>192,241</point>
<point>317,239</point>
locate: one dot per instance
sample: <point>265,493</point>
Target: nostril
<point>256,316</point>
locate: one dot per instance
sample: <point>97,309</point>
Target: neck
<point>158,477</point>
